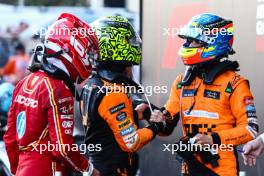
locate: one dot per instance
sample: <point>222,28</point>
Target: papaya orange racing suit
<point>112,123</point>
<point>224,109</point>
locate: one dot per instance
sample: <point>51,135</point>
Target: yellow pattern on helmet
<point>118,41</point>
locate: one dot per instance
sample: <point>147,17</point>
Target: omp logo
<point>67,124</point>
<point>26,101</point>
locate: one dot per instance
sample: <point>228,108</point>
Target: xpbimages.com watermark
<point>209,33</point>
<point>119,88</point>
<point>83,32</point>
<point>182,147</point>
<point>51,147</point>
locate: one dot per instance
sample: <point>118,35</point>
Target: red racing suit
<point>40,124</point>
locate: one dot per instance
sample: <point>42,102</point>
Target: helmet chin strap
<point>58,63</point>
<point>76,91</point>
<point>146,97</point>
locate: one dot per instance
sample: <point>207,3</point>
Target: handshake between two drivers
<point>164,121</point>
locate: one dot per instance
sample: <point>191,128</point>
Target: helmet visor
<point>196,34</point>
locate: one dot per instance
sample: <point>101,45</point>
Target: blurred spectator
<point>15,31</point>
<point>16,67</point>
<point>4,51</point>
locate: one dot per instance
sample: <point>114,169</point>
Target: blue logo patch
<point>128,130</point>
<point>251,108</point>
<point>189,92</point>
<point>21,124</point>
<point>121,116</point>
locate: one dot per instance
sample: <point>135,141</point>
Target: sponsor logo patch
<point>212,94</point>
<point>251,114</point>
<point>188,92</point>
<point>129,137</point>
<point>67,116</point>
<point>121,116</point>
<point>252,120</point>
<point>250,107</point>
<point>179,86</point>
<point>229,88</point>
<point>132,141</point>
<point>201,114</point>
<point>117,108</point>
<point>128,130</point>
<point>62,100</point>
<point>235,80</point>
<point>66,110</point>
<point>249,101</point>
<point>26,101</point>
<point>67,124</point>
<point>21,124</point>
<point>124,124</point>
<point>68,131</point>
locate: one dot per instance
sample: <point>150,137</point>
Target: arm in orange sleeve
<point>242,106</point>
<point>173,103</point>
<point>117,110</point>
<point>173,107</point>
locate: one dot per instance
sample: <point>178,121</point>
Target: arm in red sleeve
<point>61,123</point>
<point>10,139</point>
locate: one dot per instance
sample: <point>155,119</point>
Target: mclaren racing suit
<point>223,108</point>
<point>40,125</point>
<point>112,124</point>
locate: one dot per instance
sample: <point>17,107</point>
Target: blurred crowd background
<point>23,23</point>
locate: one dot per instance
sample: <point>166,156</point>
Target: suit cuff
<point>216,138</point>
<point>262,137</point>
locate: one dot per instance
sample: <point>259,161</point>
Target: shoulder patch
<point>179,85</point>
<point>229,88</point>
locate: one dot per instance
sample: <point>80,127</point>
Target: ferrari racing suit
<point>40,124</point>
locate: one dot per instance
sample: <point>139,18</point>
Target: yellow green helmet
<point>119,43</point>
